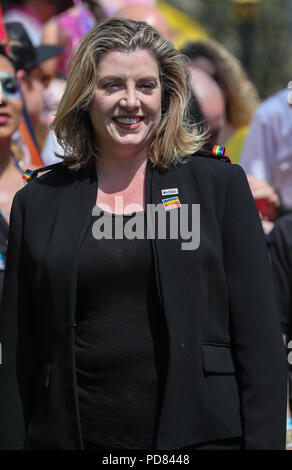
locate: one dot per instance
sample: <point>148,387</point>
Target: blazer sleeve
<point>15,327</point>
<point>257,342</point>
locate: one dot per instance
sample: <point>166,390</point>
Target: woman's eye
<point>111,85</point>
<point>148,85</point>
<point>10,86</point>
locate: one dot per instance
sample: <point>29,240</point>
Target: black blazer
<point>227,366</point>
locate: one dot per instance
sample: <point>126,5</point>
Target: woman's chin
<point>6,132</point>
<point>130,143</point>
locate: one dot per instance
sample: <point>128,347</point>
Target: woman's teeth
<point>123,120</point>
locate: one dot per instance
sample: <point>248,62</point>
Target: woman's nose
<point>3,98</point>
<point>130,98</point>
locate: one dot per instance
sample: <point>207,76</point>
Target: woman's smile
<point>129,122</point>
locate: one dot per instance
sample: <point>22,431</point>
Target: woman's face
<point>126,107</point>
<point>10,99</point>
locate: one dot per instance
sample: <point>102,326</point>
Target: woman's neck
<point>122,169</point>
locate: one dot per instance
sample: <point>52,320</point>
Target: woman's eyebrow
<point>149,78</point>
<point>110,77</point>
<point>121,77</point>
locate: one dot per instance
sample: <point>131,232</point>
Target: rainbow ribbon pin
<point>27,175</point>
<point>218,150</point>
<point>171,203</point>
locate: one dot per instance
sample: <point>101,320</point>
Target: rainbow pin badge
<point>171,203</point>
<point>218,150</point>
<point>27,176</point>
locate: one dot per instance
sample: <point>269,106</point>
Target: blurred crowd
<point>41,37</point>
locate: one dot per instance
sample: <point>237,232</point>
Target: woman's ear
<point>21,76</point>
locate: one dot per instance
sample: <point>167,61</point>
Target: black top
<point>120,337</point>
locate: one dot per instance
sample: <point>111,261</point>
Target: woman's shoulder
<point>47,178</point>
<point>206,164</point>
<point>213,175</point>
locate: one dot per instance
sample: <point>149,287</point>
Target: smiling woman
<point>133,339</point>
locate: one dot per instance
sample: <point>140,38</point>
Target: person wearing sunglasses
<point>10,115</point>
<point>11,107</point>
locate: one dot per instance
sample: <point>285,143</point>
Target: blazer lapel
<point>178,270</point>
<point>70,225</point>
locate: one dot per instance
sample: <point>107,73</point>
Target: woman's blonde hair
<point>174,138</point>
<point>241,95</point>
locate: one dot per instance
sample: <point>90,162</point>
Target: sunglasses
<point>9,85</point>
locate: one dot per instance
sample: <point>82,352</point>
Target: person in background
<point>133,339</point>
<point>280,248</point>
<point>28,61</point>
<point>267,201</point>
<point>147,13</point>
<point>51,99</point>
<point>114,5</point>
<point>10,171</point>
<point>267,151</point>
<point>241,97</point>
<point>66,30</point>
<point>33,14</point>
<point>211,101</point>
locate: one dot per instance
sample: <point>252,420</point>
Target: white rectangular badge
<point>169,192</point>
